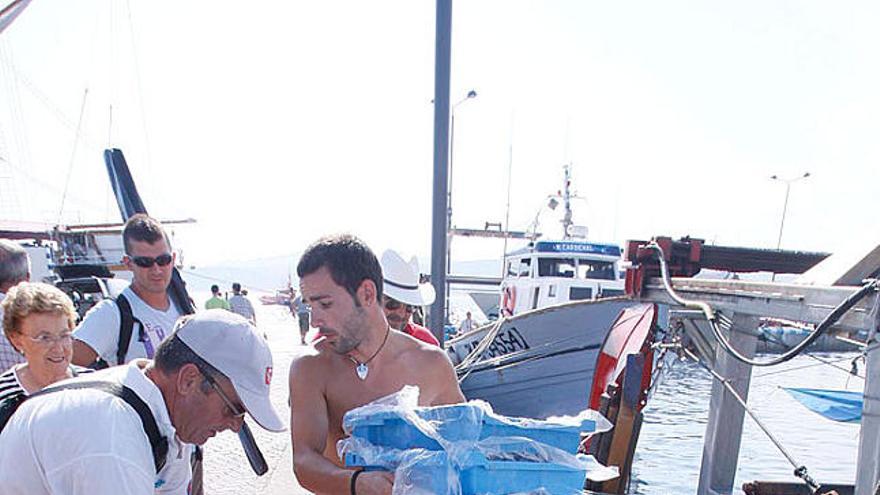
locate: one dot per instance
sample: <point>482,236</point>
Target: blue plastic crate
<point>479,476</point>
<point>462,422</point>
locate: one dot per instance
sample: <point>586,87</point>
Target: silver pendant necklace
<point>362,369</point>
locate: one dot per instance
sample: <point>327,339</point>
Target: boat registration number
<point>507,341</point>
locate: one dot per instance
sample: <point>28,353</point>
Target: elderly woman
<point>38,320</point>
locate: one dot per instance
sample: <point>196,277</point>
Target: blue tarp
<point>837,405</point>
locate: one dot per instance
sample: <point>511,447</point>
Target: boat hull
<point>540,363</point>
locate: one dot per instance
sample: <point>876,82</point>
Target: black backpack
<point>158,443</point>
<point>126,327</point>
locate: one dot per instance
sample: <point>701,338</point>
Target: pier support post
<point>868,471</point>
<point>724,430</point>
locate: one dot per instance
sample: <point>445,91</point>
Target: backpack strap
<point>126,327</point>
<point>158,443</point>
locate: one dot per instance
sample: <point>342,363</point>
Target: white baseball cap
<point>229,343</point>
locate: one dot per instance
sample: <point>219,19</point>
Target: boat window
<point>524,267</point>
<point>512,268</point>
<point>556,267</point>
<point>595,269</point>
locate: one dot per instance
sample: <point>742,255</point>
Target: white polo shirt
<point>89,442</point>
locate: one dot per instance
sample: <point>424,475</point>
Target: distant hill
<point>268,274</point>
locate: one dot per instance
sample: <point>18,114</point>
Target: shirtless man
<point>359,360</point>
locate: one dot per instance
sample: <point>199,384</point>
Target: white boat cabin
<point>552,272</point>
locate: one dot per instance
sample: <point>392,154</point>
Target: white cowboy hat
<point>401,280</point>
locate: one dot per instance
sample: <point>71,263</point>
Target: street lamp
<point>470,94</point>
<point>788,183</point>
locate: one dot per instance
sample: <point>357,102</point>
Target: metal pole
<point>784,209</point>
<point>788,183</point>
<point>439,226</point>
<point>449,207</point>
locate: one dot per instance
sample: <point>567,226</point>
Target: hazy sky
<point>274,122</point>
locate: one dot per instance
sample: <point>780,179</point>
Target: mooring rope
<point>800,470</point>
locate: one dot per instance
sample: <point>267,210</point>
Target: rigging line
<point>812,365</point>
<point>42,97</point>
<point>218,279</point>
<point>140,90</point>
<point>799,469</point>
<point>809,354</point>
<point>82,111</point>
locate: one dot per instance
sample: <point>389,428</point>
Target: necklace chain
<point>387,332</point>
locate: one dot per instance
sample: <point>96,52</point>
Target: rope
<point>82,111</point>
<point>800,470</point>
<point>718,321</point>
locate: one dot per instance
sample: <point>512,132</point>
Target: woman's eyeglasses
<point>47,339</point>
<point>147,261</point>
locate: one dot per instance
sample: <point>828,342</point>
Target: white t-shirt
<point>89,442</point>
<point>100,328</point>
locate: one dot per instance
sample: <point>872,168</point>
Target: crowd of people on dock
<point>121,401</point>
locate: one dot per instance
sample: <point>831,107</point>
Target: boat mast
<point>566,202</point>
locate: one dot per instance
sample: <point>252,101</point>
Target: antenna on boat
<point>507,210</point>
<point>566,202</point>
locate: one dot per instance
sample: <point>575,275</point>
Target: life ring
<point>508,301</point>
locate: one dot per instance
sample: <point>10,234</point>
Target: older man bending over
<point>211,371</point>
<point>359,360</point>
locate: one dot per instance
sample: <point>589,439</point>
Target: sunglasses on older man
<point>147,261</point>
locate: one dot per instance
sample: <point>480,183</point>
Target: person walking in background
<point>15,267</point>
<point>302,316</point>
<point>467,324</point>
<point>404,290</point>
<point>239,304</point>
<point>217,301</point>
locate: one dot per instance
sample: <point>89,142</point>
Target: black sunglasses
<point>394,305</point>
<point>147,262</point>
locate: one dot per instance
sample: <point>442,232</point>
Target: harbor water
<point>669,450</point>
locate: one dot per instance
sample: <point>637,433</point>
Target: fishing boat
<point>559,299</point>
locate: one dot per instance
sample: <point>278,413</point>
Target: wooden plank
<point>788,488</point>
<point>808,304</point>
<point>868,460</point>
<point>724,428</point>
<point>623,443</point>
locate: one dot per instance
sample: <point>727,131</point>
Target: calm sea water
<point>670,446</point>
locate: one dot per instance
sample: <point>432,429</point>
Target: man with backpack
<point>143,312</point>
<point>122,430</point>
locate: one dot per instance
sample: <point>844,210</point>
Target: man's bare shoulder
<point>313,363</point>
<point>422,351</point>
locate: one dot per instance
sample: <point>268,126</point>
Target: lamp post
<point>470,94</point>
<point>788,183</point>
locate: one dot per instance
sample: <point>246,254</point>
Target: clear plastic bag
<point>464,448</point>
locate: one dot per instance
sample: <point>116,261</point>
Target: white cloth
<point>9,357</point>
<point>100,328</point>
<point>242,305</point>
<point>89,442</point>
